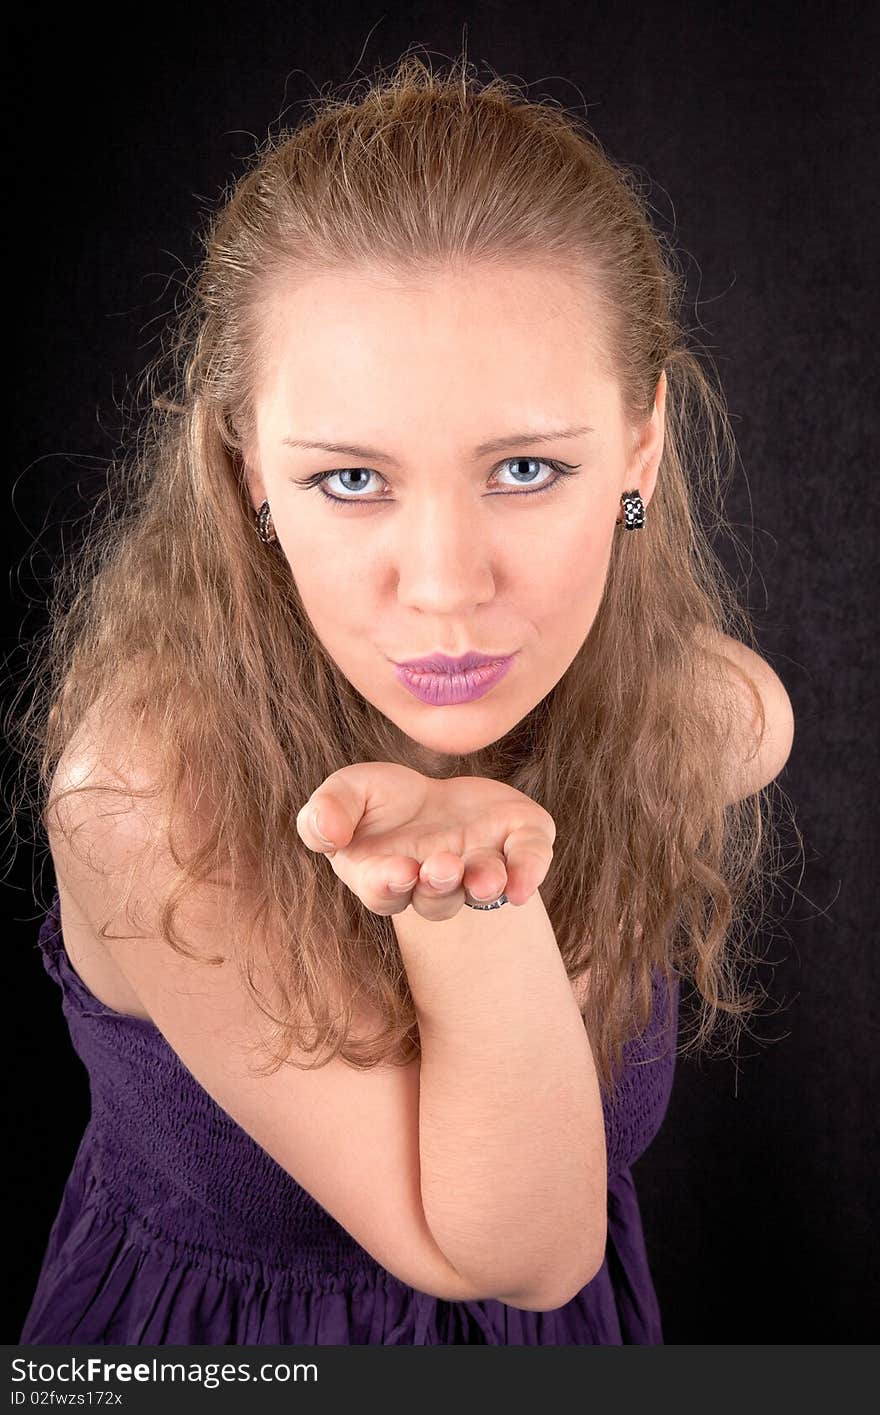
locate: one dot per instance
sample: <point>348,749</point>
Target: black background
<point>757,127</point>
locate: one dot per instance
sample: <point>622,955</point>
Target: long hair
<point>183,624</point>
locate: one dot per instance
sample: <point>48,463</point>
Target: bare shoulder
<point>766,734</point>
<point>98,828</point>
<point>105,803</point>
<point>117,844</point>
<point>107,766</point>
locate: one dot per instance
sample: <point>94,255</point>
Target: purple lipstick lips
<point>441,681</point>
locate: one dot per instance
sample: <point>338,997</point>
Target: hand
<point>388,830</point>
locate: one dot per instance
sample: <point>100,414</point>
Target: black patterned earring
<point>265,530</point>
<point>633,512</point>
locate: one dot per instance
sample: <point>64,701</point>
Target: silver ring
<point>503,899</point>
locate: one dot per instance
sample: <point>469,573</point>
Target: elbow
<point>581,1279</point>
<point>563,1289</point>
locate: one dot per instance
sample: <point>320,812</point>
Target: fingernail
<point>323,839</point>
<point>401,888</point>
<point>439,883</point>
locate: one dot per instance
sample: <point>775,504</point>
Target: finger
<point>437,903</point>
<point>438,893</point>
<point>440,873</point>
<point>485,875</point>
<point>528,852</point>
<point>385,883</point>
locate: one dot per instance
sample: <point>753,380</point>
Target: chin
<point>463,746</point>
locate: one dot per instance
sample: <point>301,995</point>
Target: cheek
<point>571,579</point>
<point>321,560</point>
<point>337,588</point>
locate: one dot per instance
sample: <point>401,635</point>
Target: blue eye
<point>559,469</point>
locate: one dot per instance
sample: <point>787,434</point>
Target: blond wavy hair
<point>184,624</point>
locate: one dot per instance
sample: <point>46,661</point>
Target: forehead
<point>502,334</point>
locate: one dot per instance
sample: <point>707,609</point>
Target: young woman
<point>399,761</point>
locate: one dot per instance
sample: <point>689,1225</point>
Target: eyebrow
<point>495,444</point>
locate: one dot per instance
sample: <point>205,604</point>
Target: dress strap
<point>76,994</point>
<point>50,940</point>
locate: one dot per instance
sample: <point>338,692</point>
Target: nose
<point>444,557</point>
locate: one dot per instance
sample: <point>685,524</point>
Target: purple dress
<point>176,1227</point>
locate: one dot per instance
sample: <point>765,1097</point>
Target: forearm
<point>511,1133</point>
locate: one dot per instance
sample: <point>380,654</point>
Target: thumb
<point>307,823</point>
<point>328,820</point>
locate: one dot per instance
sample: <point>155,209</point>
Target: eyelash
<point>562,469</point>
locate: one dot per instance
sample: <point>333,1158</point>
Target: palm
<point>410,825</point>
<point>428,817</point>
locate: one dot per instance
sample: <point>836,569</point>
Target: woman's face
<point>437,541</point>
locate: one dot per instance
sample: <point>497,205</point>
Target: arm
<point>348,1137</point>
<point>511,1132</point>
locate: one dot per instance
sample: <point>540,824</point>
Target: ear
<point>256,488</point>
<point>645,459</point>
